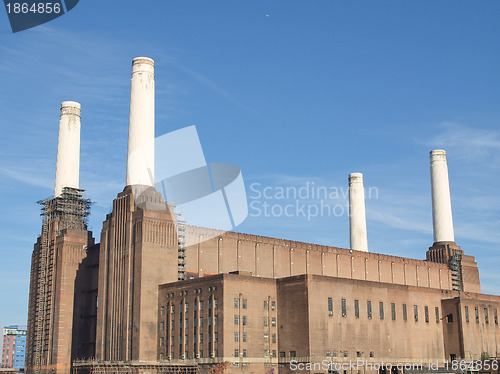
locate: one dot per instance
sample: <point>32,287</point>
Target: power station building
<point>143,301</point>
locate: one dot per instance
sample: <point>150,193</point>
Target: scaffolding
<point>455,266</point>
<point>70,210</point>
<point>181,251</point>
<point>134,367</point>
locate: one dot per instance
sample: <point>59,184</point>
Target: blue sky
<point>293,92</point>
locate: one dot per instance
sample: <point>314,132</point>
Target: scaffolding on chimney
<point>456,274</point>
<point>181,252</point>
<point>70,210</point>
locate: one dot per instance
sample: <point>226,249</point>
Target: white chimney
<point>68,148</point>
<point>442,219</point>
<point>357,214</point>
<point>141,130</point>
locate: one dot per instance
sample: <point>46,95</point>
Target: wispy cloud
<point>470,143</point>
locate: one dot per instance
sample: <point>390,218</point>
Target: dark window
<point>273,305</point>
<point>293,354</point>
<point>244,305</point>
<point>426,310</point>
<point>450,318</point>
<point>356,308</point>
<point>330,306</point>
<point>244,353</point>
<point>236,320</point>
<point>236,337</point>
<point>371,354</point>
<point>415,312</point>
<point>466,314</point>
<point>274,338</point>
<point>266,305</point>
<point>405,313</point>
<point>381,309</point>
<point>437,315</point>
<point>358,354</point>
<point>244,337</point>
<point>393,311</point>
<point>266,321</point>
<point>282,354</point>
<point>495,316</point>
<point>244,320</point>
<point>486,318</point>
<point>346,354</point>
<point>369,309</point>
<point>236,303</point>
<point>273,322</point>
<point>477,314</point>
<point>344,308</point>
<point>236,353</point>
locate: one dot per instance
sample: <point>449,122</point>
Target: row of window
<point>198,305</point>
<point>197,290</point>
<point>369,311</point>
<point>476,314</point>
<point>196,354</point>
<point>198,338</point>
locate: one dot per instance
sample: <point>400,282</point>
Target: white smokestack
<point>68,148</point>
<point>442,219</point>
<point>141,130</point>
<point>357,214</point>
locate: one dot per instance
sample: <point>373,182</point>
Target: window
<point>187,339</point>
<point>236,337</point>
<point>244,305</point>
<point>369,309</point>
<point>236,353</point>
<point>393,311</point>
<point>405,314</point>
<point>162,310</point>
<point>201,304</point>
<point>415,312</point>
<point>266,305</point>
<point>266,338</point>
<point>335,354</point>
<point>381,309</point>
<point>274,338</point>
<point>477,314</point>
<point>195,322</point>
<point>358,354</point>
<point>330,306</point>
<point>244,353</point>
<point>236,303</point>
<point>201,338</point>
<point>216,337</point>
<point>244,320</point>
<point>273,305</point>
<point>201,321</point>
<point>162,325</point>
<point>187,307</point>
<point>201,354</point>
<point>244,337</point>
<point>437,315</point>
<point>495,316</point>
<point>162,341</point>
<point>450,318</point>
<point>328,353</point>
<point>266,353</point>
<point>293,354</point>
<point>236,320</point>
<point>346,353</point>
<point>486,318</point>
<point>216,302</point>
<point>344,307</point>
<point>466,314</point>
<point>356,308</point>
<point>372,354</point>
<point>216,320</point>
<point>187,323</point>
<point>273,322</point>
<point>426,312</point>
